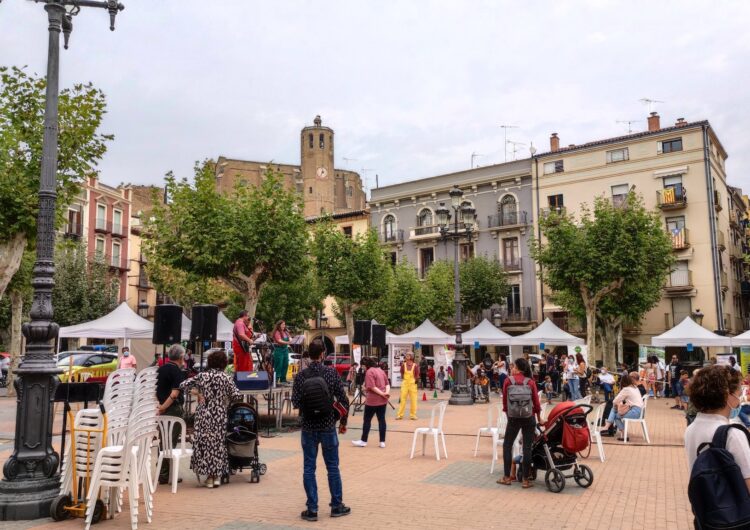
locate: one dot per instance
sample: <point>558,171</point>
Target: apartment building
<point>404,216</point>
<point>679,169</point>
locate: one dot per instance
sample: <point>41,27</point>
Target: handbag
<point>622,409</point>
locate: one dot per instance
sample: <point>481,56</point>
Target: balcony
<point>119,230</point>
<point>680,238</point>
<point>73,230</point>
<point>717,201</point>
<point>512,265</point>
<point>507,220</point>
<point>721,241</point>
<point>117,262</point>
<point>724,278</point>
<point>391,236</point>
<point>679,282</point>
<point>671,198</point>
<point>556,210</point>
<point>515,314</point>
<point>102,225</point>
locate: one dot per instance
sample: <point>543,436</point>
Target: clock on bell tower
<point>316,143</point>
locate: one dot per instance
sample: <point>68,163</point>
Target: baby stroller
<point>554,449</point>
<point>242,442</point>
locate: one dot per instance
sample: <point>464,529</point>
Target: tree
<point>353,270</point>
<point>406,302</point>
<point>245,240</point>
<point>84,290</point>
<point>295,302</point>
<point>612,263</point>
<point>22,98</point>
<point>439,286</point>
<point>483,284</point>
<point>188,289</point>
<point>20,301</point>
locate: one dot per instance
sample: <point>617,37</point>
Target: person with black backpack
<point>313,393</point>
<point>521,405</point>
<point>718,452</point>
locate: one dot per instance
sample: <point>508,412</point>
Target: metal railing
<point>73,230</point>
<point>102,225</point>
<point>724,280</point>
<point>391,236</point>
<point>721,240</point>
<point>557,210</point>
<point>680,278</point>
<point>680,238</point>
<point>426,230</point>
<point>671,197</point>
<point>507,219</point>
<point>513,264</point>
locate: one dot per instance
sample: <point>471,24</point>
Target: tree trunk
<point>620,346</point>
<point>11,252</point>
<point>16,316</point>
<point>591,331</point>
<point>349,323</point>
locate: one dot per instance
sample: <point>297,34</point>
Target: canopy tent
<point>344,339</point>
<point>689,332</point>
<point>224,328</point>
<point>185,328</point>
<point>427,333</point>
<point>486,334</point>
<point>547,333</point>
<point>742,339</point>
<point>122,323</point>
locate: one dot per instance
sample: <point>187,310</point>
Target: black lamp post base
<point>463,398</point>
<point>21,500</point>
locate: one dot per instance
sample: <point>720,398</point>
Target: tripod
<point>359,399</point>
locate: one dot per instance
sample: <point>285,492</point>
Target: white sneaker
<point>209,483</point>
<point>382,445</point>
<point>359,443</point>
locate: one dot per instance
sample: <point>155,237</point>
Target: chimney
<point>680,122</point>
<point>554,142</point>
<point>653,122</point>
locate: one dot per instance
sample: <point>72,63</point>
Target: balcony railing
<point>391,236</point>
<point>118,230</point>
<point>426,230</point>
<point>724,278</point>
<point>680,238</point>
<point>557,210</point>
<point>671,198</point>
<point>680,278</point>
<point>514,314</point>
<point>102,225</point>
<point>118,262</point>
<point>511,265</point>
<point>721,241</point>
<point>73,230</point>
<point>507,219</point>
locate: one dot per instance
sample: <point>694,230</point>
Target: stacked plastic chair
<point>126,465</point>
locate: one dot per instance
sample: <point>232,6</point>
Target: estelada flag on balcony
<point>678,238</point>
<point>668,195</point>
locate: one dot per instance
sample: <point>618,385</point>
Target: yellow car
<point>92,367</point>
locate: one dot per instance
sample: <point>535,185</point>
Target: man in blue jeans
<point>313,392</point>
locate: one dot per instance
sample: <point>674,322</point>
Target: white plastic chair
<point>595,429</point>
<point>502,423</point>
<point>584,400</point>
<point>174,454</point>
<point>641,419</point>
<point>492,427</point>
<point>435,430</point>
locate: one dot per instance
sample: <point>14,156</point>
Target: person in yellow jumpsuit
<point>409,378</point>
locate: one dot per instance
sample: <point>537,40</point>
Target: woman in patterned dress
<point>217,391</point>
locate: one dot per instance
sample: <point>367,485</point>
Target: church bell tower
<point>316,145</point>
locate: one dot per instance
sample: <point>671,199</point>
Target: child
<point>684,384</point>
<point>477,385</point>
<point>441,379</point>
<point>484,385</point>
<point>431,377</point>
<point>548,390</point>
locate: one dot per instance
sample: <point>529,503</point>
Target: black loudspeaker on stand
<point>378,336</point>
<point>204,323</point>
<point>167,324</point>
<point>362,332</point>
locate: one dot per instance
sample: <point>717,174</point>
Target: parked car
<point>342,363</point>
<point>99,365</point>
<point>4,368</point>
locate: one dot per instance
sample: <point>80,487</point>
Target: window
<point>389,227</point>
<point>466,251</point>
<point>619,194</point>
<point>617,155</point>
<point>679,275</point>
<point>101,216</point>
<point>513,300</point>
<point>115,254</point>
<point>74,222</point>
<point>347,231</point>
<point>117,221</point>
<point>99,247</point>
<point>675,223</point>
<point>510,252</point>
<point>677,192</point>
<point>680,309</point>
<point>424,222</point>
<point>349,191</point>
<point>554,167</point>
<point>310,140</point>
<point>555,203</point>
<point>322,140</point>
<point>670,146</point>
<point>426,258</point>
<point>310,190</point>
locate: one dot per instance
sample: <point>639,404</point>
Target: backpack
<point>316,399</point>
<point>520,404</point>
<point>717,491</point>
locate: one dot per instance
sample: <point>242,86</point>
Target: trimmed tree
<point>483,284</point>
<point>597,265</point>
<point>81,110</point>
<point>352,270</point>
<point>439,286</point>
<point>295,302</point>
<point>246,240</point>
<point>406,302</point>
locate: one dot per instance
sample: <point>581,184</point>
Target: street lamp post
<point>30,480</point>
<point>462,227</point>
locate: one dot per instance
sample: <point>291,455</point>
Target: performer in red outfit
<point>242,337</point>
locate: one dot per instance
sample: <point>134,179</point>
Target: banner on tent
<point>645,351</point>
<point>397,352</point>
<point>357,353</point>
<point>443,358</point>
<point>744,358</point>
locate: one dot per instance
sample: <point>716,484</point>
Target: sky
<point>411,88</point>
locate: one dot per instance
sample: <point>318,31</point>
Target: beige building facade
<point>324,188</point>
<point>679,170</point>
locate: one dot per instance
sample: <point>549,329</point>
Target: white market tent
<point>742,339</point>
<point>486,334</point>
<point>547,333</point>
<point>427,334</point>
<point>121,323</point>
<point>689,332</point>
<point>185,327</point>
<point>224,328</point>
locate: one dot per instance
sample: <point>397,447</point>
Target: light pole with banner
<point>462,227</point>
<point>30,479</point>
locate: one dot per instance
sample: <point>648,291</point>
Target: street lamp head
<point>468,215</point>
<point>443,216</point>
<point>497,319</point>
<point>456,195</point>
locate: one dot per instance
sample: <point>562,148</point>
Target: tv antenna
<point>364,171</point>
<point>629,123</point>
<point>650,103</point>
<point>516,147</point>
<point>505,138</point>
<point>473,156</point>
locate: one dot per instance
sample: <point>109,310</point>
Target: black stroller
<point>555,448</point>
<point>242,442</point>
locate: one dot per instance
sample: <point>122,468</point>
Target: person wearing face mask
<point>127,360</point>
<point>715,393</point>
<point>607,381</point>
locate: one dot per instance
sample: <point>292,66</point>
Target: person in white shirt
<point>607,382</point>
<point>715,393</point>
<point>627,404</point>
<point>734,365</point>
